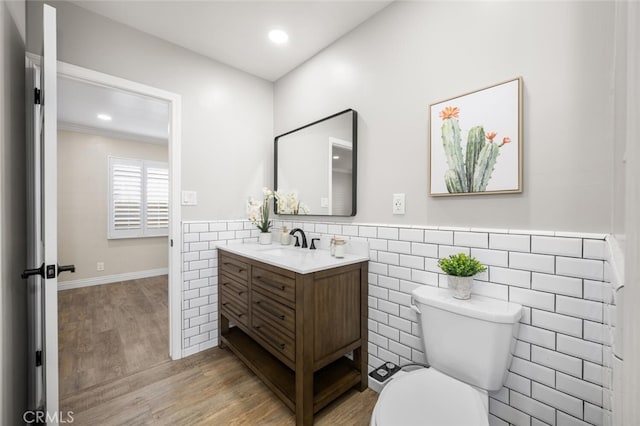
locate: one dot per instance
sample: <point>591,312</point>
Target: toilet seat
<point>427,397</point>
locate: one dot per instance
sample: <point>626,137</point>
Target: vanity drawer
<point>237,289</point>
<point>276,339</point>
<point>240,300</point>
<point>234,267</point>
<point>277,313</point>
<point>274,285</point>
<point>233,309</point>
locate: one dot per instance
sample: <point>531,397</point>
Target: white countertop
<point>296,259</point>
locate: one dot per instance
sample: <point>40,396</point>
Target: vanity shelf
<point>294,330</point>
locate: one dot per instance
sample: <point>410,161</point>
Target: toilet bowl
<point>469,345</point>
<point>429,397</point>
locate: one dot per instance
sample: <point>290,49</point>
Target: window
<point>138,198</point>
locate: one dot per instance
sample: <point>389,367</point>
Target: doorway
<point>154,290</point>
<point>113,224</point>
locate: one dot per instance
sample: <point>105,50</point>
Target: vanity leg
<point>361,355</point>
<point>360,359</point>
<point>223,328</point>
<point>304,398</point>
<point>304,350</point>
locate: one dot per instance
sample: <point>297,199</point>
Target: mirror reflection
<point>315,167</point>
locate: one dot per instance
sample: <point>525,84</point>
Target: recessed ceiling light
<point>336,157</point>
<point>104,117</point>
<point>278,36</point>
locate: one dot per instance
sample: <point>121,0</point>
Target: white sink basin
<point>297,259</point>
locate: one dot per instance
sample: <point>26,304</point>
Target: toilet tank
<point>471,340</point>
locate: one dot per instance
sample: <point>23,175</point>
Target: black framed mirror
<point>315,167</point>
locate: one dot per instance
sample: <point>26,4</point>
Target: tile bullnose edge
<point>614,255</point>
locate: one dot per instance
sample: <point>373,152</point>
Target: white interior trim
<point>109,279</point>
<point>175,229</point>
<point>330,178</point>
<point>630,392</point>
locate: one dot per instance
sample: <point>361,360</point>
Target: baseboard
<point>109,279</point>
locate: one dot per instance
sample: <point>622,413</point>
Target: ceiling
<point>235,32</point>
<point>133,117</point>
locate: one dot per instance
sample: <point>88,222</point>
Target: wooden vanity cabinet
<point>294,330</point>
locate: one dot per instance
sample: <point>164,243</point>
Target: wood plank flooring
<point>114,369</point>
<point>111,331</point>
<point>209,388</point>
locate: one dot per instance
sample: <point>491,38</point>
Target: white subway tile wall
<point>560,372</point>
<point>200,278</point>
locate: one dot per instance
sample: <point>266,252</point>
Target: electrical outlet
<point>398,203</point>
<point>189,198</point>
<point>100,266</point>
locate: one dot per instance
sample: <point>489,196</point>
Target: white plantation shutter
<point>125,189</point>
<point>138,198</point>
<point>157,198</point>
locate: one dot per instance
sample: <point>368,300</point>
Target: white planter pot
<point>265,238</point>
<point>461,286</point>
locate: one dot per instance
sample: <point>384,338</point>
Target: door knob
<point>50,271</point>
<point>66,268</point>
<point>36,271</point>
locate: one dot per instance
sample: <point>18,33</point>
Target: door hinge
<point>172,242</point>
<point>36,96</point>
<point>38,358</point>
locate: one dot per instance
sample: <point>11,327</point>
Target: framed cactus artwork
<point>475,142</point>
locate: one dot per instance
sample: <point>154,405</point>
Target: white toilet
<point>469,345</point>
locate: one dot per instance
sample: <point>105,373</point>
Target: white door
<point>43,244</point>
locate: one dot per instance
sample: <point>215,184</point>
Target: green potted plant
<point>460,270</point>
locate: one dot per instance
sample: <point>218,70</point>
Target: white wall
<point>83,200</point>
<point>631,333</point>
<point>13,296</point>
<point>413,54</point>
<point>227,115</point>
<point>619,111</point>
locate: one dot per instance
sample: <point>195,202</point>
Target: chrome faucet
<point>304,237</point>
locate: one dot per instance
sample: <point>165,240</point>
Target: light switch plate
<point>324,202</point>
<point>189,198</point>
<point>398,203</point>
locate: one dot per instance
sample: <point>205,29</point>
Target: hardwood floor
<point>209,388</point>
<point>111,331</point>
<point>114,369</point>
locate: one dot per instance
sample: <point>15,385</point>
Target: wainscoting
<point>561,373</point>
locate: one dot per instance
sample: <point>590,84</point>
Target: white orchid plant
<point>288,203</point>
<point>258,211</point>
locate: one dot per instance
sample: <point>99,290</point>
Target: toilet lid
<point>428,397</point>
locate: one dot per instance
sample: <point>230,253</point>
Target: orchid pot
<point>265,238</point>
